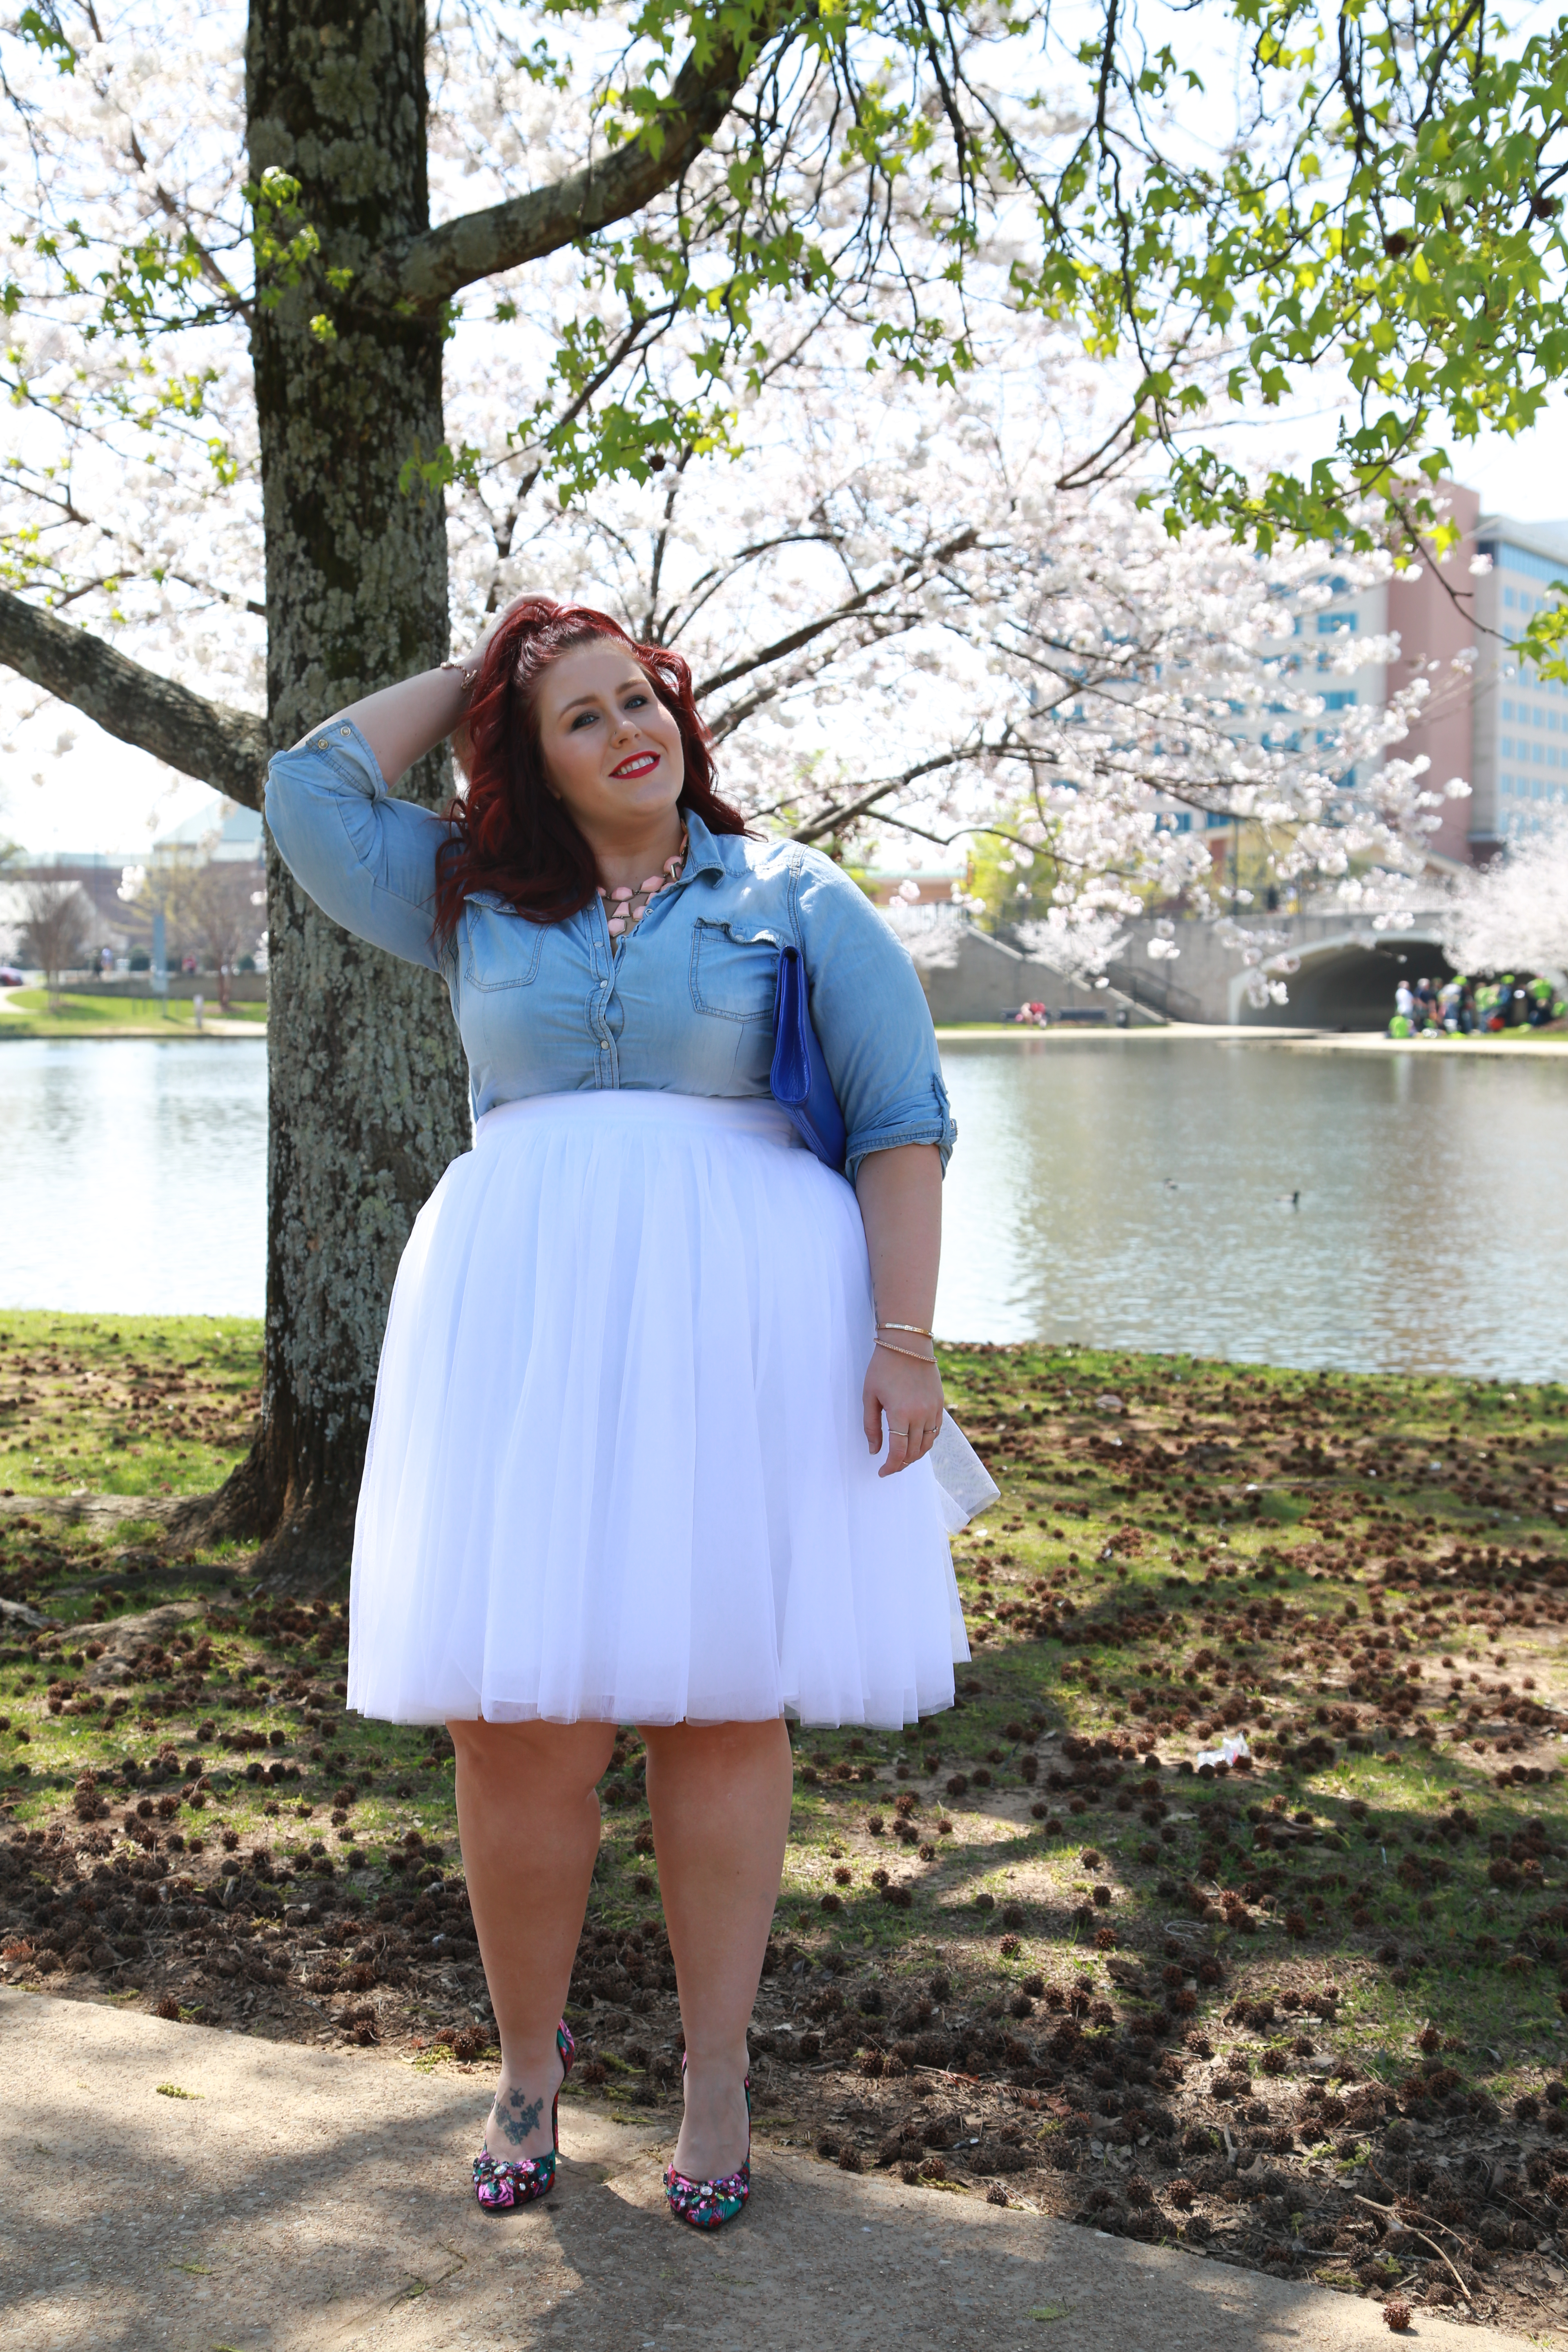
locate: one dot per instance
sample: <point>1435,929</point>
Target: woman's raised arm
<point>402,722</point>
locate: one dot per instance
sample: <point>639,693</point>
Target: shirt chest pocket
<point>734,971</point>
<point>500,949</point>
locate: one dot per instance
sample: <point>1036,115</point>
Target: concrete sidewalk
<point>304,2200</point>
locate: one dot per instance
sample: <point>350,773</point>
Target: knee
<point>544,1760</point>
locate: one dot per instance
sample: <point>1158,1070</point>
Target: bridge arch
<point>1346,981</point>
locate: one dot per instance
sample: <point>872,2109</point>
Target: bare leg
<point>528,1815</point>
<point>720,1797</point>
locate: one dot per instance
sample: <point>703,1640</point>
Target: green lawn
<point>26,1013</point>
<point>124,1404</point>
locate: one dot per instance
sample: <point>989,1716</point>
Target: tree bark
<point>368,1094</point>
<point>368,1098</point>
<point>426,270</point>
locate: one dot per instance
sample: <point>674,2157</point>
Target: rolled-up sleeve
<point>367,860</point>
<point>870,1015</point>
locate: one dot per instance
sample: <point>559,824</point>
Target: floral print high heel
<point>709,2204</point>
<point>501,2182</point>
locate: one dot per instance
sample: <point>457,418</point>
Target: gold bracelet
<point>918,1329</point>
<point>912,1354</point>
<point>463,670</point>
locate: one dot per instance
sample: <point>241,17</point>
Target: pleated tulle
<point>617,1469</point>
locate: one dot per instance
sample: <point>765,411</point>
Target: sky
<point>98,794</point>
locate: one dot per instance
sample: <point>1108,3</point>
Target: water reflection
<point>1138,1193</point>
<point>1132,1192</point>
<point>135,1176</point>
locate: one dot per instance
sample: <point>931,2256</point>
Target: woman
<point>614,1472</point>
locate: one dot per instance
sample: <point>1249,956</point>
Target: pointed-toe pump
<point>709,2204</point>
<point>503,2182</point>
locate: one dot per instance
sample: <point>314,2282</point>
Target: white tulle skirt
<point>617,1469</point>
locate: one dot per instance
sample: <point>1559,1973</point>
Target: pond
<point>1394,1213</point>
<point>1367,1212</point>
<point>135,1176</point>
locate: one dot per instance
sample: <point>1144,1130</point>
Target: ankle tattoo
<point>517,2118</point>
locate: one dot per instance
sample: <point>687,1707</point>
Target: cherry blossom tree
<point>902,625</point>
<point>281,287</point>
<point>1512,915</point>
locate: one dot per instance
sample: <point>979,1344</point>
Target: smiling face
<point>612,751</point>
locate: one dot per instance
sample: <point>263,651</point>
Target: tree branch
<point>224,747</point>
<point>866,799</point>
<point>424,272</point>
<point>847,611</point>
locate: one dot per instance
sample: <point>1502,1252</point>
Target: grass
<point>28,1013</point>
<point>1367,1575</point>
<point>124,1404</point>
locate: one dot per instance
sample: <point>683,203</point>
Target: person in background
<point>1426,1004</point>
<point>1403,1010</point>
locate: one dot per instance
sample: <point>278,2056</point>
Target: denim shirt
<point>685,1007</point>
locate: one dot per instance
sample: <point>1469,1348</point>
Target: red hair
<point>509,833</point>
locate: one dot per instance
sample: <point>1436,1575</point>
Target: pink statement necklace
<point>623,906</point>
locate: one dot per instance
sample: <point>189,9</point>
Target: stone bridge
<point>1345,973</point>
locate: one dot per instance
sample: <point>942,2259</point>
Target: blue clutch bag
<point>799,1079</point>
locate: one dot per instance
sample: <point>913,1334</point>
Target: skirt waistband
<point>756,1115</point>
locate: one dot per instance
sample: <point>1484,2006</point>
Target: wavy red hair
<point>509,833</point>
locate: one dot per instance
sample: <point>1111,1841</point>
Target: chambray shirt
<point>685,1007</point>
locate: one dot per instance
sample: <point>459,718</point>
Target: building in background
<point>1501,728</point>
<point>230,835</point>
<point>1495,722</point>
<point>1521,720</point>
<point>216,914</point>
<point>1434,617</point>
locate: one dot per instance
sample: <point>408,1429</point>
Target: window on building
<point>1333,623</point>
<point>1509,598</point>
<point>1507,708</point>
<point>1342,699</point>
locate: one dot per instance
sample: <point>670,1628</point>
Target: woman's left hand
<point>910,1393</point>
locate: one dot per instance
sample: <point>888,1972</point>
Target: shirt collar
<point>703,855</point>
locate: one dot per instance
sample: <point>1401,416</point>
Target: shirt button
<point>345,730</point>
<point>605,1046</point>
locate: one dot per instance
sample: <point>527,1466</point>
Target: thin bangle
<point>918,1329</point>
<point>912,1354</point>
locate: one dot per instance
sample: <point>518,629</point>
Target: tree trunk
<point>369,1100</point>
